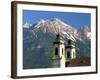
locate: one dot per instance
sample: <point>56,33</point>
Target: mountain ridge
<point>57,26</point>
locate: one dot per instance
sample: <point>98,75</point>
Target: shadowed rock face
<point>38,42</point>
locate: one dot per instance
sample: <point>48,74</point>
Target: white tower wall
<point>73,53</point>
<point>62,55</point>
<point>60,58</point>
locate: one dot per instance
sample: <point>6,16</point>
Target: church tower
<point>59,52</point>
<point>70,51</point>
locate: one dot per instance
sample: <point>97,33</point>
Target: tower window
<point>68,54</point>
<point>62,51</point>
<point>73,54</point>
<point>56,51</point>
<point>69,42</point>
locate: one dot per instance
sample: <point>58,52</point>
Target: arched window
<point>62,51</point>
<point>73,54</point>
<point>56,51</point>
<point>68,54</point>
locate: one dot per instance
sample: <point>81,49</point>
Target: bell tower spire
<point>70,50</point>
<point>59,52</point>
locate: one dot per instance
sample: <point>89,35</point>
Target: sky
<point>74,19</point>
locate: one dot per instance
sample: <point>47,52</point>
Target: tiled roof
<point>79,62</point>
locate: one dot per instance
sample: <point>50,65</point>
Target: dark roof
<point>57,42</point>
<point>70,42</point>
<point>58,36</point>
<point>69,46</point>
<point>79,62</point>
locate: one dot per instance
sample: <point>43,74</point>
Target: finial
<point>58,36</point>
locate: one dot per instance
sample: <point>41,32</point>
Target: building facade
<point>63,53</point>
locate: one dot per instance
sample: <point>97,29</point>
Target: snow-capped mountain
<point>57,26</point>
<point>38,39</point>
<point>85,33</point>
<point>27,25</point>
